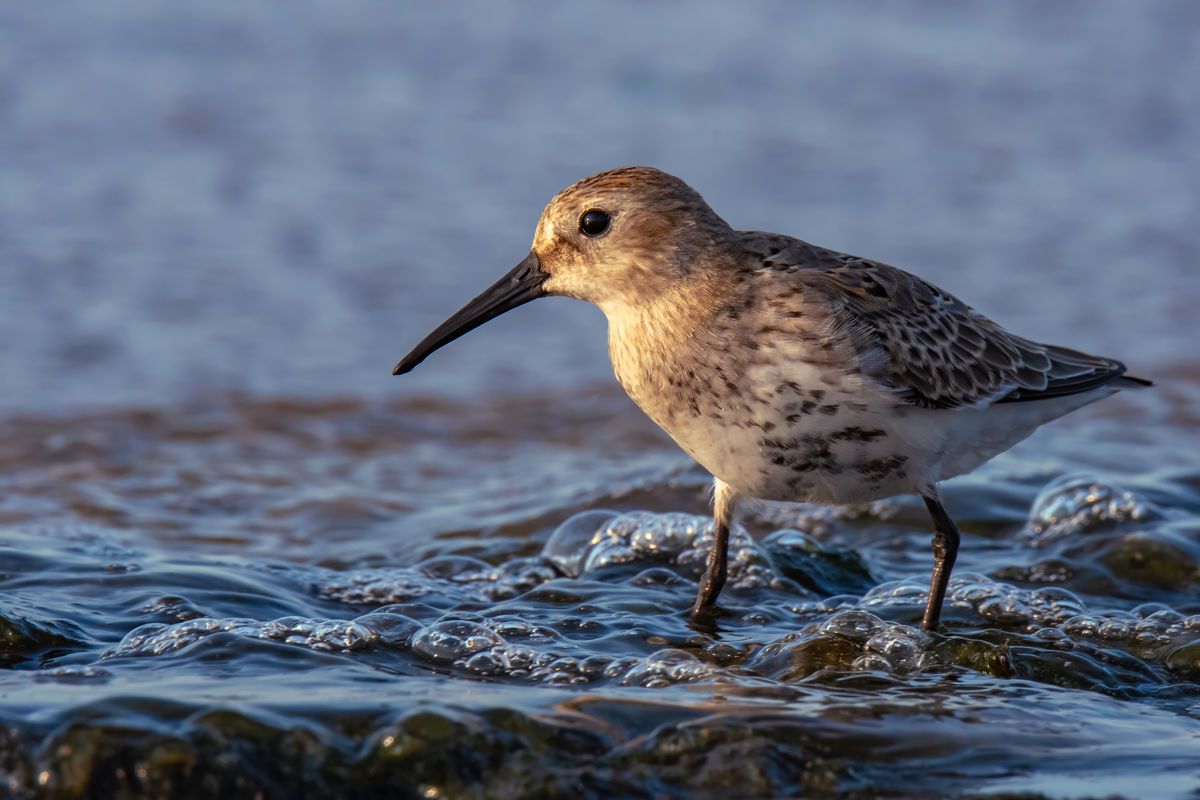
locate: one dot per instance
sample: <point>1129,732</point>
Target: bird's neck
<point>652,341</point>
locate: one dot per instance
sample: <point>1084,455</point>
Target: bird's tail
<point>1130,382</point>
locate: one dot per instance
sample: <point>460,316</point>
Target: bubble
<point>680,541</point>
<point>568,545</point>
<point>854,641</point>
<point>901,645</point>
<point>377,586</point>
<point>666,667</point>
<point>855,626</point>
<point>641,536</point>
<point>478,647</point>
<point>1074,505</point>
<point>452,579</point>
<point>449,641</point>
<point>991,601</point>
<point>335,636</point>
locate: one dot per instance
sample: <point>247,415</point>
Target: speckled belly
<point>790,443</point>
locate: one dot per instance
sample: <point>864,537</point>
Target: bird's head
<point>616,239</point>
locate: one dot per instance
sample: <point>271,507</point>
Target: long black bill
<point>516,288</point>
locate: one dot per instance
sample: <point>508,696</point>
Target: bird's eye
<point>594,222</point>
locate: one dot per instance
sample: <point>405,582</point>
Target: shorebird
<point>789,371</point>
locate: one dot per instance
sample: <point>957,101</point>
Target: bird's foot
<point>703,619</point>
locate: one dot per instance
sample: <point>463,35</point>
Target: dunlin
<point>788,371</point>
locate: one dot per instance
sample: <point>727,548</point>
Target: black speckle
<point>856,434</point>
<point>877,469</point>
<point>829,410</point>
<point>816,456</point>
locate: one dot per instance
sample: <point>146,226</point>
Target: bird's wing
<point>928,346</point>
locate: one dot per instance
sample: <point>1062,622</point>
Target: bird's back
<point>928,346</point>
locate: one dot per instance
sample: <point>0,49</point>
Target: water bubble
<point>680,541</point>
<point>1074,505</point>
<point>641,536</point>
<point>901,645</point>
<point>441,579</point>
<point>451,640</point>
<point>568,545</point>
<point>666,667</point>
<point>991,601</point>
<point>855,626</point>
<point>376,586</point>
<point>853,641</point>
<point>335,636</point>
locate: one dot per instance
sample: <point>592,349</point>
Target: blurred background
<point>239,559</point>
<point>200,198</point>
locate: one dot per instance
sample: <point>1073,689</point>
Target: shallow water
<point>237,558</point>
<point>273,595</point>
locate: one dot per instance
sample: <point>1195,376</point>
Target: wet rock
<point>22,638</point>
<point>817,567</point>
<point>1153,559</point>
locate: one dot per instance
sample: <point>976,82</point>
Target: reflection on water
<point>237,558</point>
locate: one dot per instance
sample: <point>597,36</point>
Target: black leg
<point>714,576</point>
<point>945,551</point>
<point>724,500</point>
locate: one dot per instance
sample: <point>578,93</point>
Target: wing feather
<point>940,352</point>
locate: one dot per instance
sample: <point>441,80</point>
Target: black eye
<point>594,222</point>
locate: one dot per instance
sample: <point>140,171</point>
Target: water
<point>237,557</point>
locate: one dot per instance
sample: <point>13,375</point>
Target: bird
<point>789,371</point>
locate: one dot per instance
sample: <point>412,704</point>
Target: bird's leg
<point>945,551</point>
<point>724,502</point>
